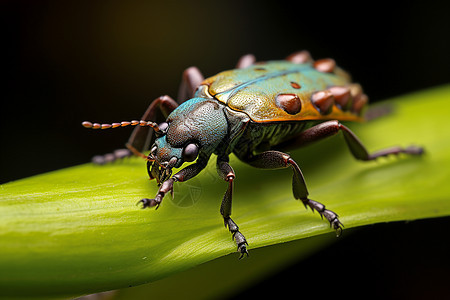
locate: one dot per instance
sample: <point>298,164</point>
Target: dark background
<point>68,61</point>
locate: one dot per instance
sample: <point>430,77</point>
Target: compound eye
<point>190,152</point>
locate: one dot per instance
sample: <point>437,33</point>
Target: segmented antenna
<point>142,123</point>
<point>105,158</point>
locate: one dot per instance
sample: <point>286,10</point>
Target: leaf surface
<point>78,230</point>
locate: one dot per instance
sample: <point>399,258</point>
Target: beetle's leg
<point>167,186</point>
<point>245,61</point>
<point>164,188</point>
<point>141,137</point>
<point>190,80</point>
<point>299,57</point>
<point>278,160</point>
<point>358,150</point>
<point>226,172</point>
<point>378,111</point>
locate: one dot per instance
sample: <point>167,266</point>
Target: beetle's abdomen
<point>259,137</point>
<point>280,91</point>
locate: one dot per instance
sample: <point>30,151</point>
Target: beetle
<point>256,112</point>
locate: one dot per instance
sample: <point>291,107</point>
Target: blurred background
<point>69,61</point>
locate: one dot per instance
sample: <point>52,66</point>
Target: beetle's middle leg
<point>226,172</point>
<point>277,160</point>
<point>190,80</point>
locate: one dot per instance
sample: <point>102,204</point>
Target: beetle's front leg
<point>226,172</point>
<point>141,137</point>
<point>277,160</point>
<point>167,186</point>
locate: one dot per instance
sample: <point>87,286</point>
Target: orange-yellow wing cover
<point>280,91</point>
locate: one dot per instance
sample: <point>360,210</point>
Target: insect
<point>255,111</point>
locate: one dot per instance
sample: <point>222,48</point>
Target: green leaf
<point>78,230</point>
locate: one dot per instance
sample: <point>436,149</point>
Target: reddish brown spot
<point>323,100</point>
<point>259,69</point>
<point>300,57</point>
<point>325,65</point>
<point>355,90</point>
<point>96,126</point>
<point>359,99</point>
<point>359,102</point>
<point>289,102</point>
<point>341,95</point>
<point>295,85</point>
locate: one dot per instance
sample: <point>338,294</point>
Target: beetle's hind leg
<point>330,128</point>
<point>226,173</point>
<point>277,160</point>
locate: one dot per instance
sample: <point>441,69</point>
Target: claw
<point>243,249</point>
<point>415,150</point>
<point>337,225</point>
<point>148,203</point>
<point>165,187</point>
<point>143,201</point>
<point>331,216</point>
<point>241,243</point>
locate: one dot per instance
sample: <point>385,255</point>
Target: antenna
<point>142,123</point>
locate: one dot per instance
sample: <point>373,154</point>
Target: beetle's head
<point>193,130</point>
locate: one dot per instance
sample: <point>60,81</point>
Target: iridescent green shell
<point>277,91</point>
